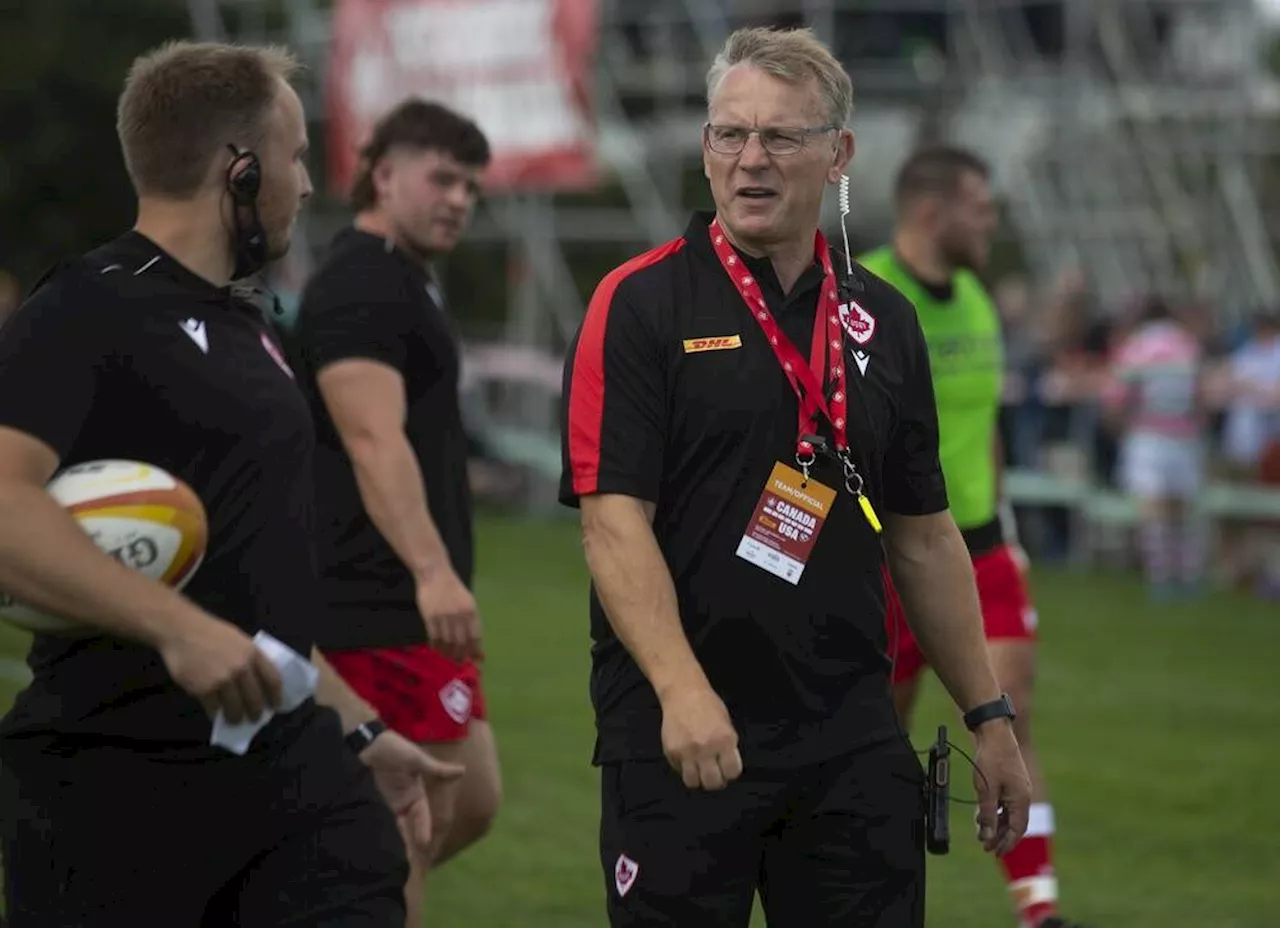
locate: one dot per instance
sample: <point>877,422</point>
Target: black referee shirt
<point>127,354</point>
<point>372,301</point>
<point>803,669</point>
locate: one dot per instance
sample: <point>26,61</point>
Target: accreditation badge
<point>786,523</point>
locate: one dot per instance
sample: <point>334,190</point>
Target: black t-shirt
<point>372,301</point>
<point>803,669</point>
<point>127,354</point>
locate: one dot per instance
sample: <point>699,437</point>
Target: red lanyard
<point>807,378</point>
<point>826,360</point>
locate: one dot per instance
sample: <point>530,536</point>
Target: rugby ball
<point>142,516</point>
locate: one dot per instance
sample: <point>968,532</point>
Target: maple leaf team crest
<point>858,324</point>
<point>625,872</point>
<point>456,699</point>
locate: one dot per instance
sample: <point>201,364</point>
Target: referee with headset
<point>142,351</point>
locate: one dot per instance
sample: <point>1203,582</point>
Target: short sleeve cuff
<point>918,497</point>
<point>322,357</point>
<point>572,492</point>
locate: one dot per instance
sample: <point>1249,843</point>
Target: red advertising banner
<point>520,68</point>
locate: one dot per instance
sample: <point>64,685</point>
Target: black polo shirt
<point>127,354</point>
<point>369,300</point>
<point>803,669</point>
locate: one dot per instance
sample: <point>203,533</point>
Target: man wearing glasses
<point>742,409</point>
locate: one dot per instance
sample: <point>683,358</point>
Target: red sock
<point>1028,868</point>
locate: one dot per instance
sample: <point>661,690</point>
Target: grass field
<point>1158,728</point>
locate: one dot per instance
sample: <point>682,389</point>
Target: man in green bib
<point>945,219</point>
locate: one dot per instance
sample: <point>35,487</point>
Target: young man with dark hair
<point>377,354</point>
<point>142,351</point>
<point>946,217</point>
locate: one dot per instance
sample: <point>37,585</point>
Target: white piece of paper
<point>298,678</point>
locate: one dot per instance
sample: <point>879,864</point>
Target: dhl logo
<point>715,343</point>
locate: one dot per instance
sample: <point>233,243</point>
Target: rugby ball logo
<point>137,513</point>
<point>858,324</point>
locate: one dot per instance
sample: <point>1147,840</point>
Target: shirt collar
<point>139,256</point>
<point>698,235</point>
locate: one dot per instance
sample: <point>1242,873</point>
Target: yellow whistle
<point>867,510</point>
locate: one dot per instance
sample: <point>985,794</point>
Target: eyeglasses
<point>731,140</point>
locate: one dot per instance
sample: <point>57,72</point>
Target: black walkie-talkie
<point>938,796</point>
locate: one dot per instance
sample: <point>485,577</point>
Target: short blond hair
<point>184,102</point>
<point>793,55</point>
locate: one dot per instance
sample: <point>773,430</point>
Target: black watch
<point>364,734</point>
<point>1001,708</point>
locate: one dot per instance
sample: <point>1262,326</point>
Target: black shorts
<point>835,844</point>
<point>100,835</point>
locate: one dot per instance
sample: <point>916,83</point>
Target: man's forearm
<point>933,575</point>
<point>332,691</point>
<point>635,588</point>
<point>49,562</point>
<point>395,498</point>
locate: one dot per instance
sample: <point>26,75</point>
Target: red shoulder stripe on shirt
<point>587,384</point>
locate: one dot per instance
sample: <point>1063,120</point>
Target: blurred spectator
<point>1250,392</point>
<point>1101,340</point>
<point>1022,354</point>
<point>1253,398</point>
<point>1153,399</point>
<point>1076,342</point>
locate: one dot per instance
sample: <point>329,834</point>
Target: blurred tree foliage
<point>63,187</point>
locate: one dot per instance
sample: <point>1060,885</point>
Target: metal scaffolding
<point>1143,146</point>
<point>1131,145</point>
<point>1127,138</point>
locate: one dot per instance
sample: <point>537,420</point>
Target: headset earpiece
<point>244,176</point>
<point>244,182</point>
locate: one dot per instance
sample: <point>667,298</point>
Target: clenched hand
<point>450,615</point>
<point>698,738</point>
<point>219,665</point>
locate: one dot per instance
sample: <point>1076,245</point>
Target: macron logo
<point>862,359</point>
<point>196,332</point>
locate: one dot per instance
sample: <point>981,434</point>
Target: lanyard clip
<point>852,479</point>
<point>804,460</point>
<point>817,442</point>
<point>854,483</point>
<point>807,453</point>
